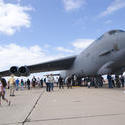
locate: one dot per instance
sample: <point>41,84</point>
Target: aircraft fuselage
<point>105,55</point>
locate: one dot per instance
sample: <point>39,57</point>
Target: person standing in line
<point>17,84</point>
<point>22,84</point>
<point>113,82</point>
<point>66,81</point>
<point>25,83</point>
<point>34,81</point>
<point>44,80</point>
<point>60,81</point>
<point>51,82</point>
<point>11,82</point>
<point>2,92</point>
<point>117,80</point>
<point>95,82</point>
<point>41,82</point>
<point>28,84</point>
<point>122,80</point>
<point>72,80</point>
<point>109,77</point>
<point>48,83</point>
<point>69,84</point>
<point>89,82</point>
<point>101,80</point>
<point>75,80</point>
<point>56,81</point>
<point>38,82</point>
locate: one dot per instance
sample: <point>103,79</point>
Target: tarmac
<point>80,105</point>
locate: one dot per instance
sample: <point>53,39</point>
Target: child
<point>2,91</point>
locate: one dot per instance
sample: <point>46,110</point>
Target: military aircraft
<point>106,55</point>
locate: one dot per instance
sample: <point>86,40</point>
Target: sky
<point>35,31</point>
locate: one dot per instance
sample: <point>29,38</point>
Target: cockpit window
<point>115,31</point>
<point>112,32</point>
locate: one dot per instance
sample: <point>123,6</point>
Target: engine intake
<point>14,70</point>
<point>24,71</point>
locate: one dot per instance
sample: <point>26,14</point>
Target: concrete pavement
<point>21,105</point>
<point>79,105</point>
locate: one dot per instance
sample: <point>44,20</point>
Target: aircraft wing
<point>5,73</point>
<point>60,64</point>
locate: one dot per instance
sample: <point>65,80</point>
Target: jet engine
<point>24,71</point>
<point>14,70</point>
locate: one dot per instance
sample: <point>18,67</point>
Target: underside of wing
<point>60,64</point>
<point>5,73</point>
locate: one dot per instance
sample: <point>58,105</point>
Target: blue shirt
<point>17,82</point>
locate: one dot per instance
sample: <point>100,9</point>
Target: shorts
<point>2,95</point>
<point>12,87</point>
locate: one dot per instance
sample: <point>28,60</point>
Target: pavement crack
<point>77,117</point>
<point>27,117</point>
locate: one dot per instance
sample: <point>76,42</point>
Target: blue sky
<point>38,30</point>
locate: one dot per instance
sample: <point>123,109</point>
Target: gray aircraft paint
<point>105,55</point>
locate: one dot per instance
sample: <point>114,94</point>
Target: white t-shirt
<point>48,79</point>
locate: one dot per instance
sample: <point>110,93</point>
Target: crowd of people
<point>117,81</point>
<point>60,82</point>
<point>50,81</point>
<point>98,82</point>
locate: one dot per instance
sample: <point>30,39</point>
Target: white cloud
<point>13,54</point>
<point>82,43</point>
<point>62,49</point>
<point>13,17</point>
<point>16,55</point>
<point>114,6</point>
<point>72,4</point>
<point>78,45</point>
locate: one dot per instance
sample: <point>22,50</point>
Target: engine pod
<point>14,70</point>
<point>24,71</point>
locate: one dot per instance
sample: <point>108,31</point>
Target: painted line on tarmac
<point>26,119</point>
<point>76,117</point>
<point>14,123</point>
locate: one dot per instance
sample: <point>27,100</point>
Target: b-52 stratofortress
<point>106,55</point>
